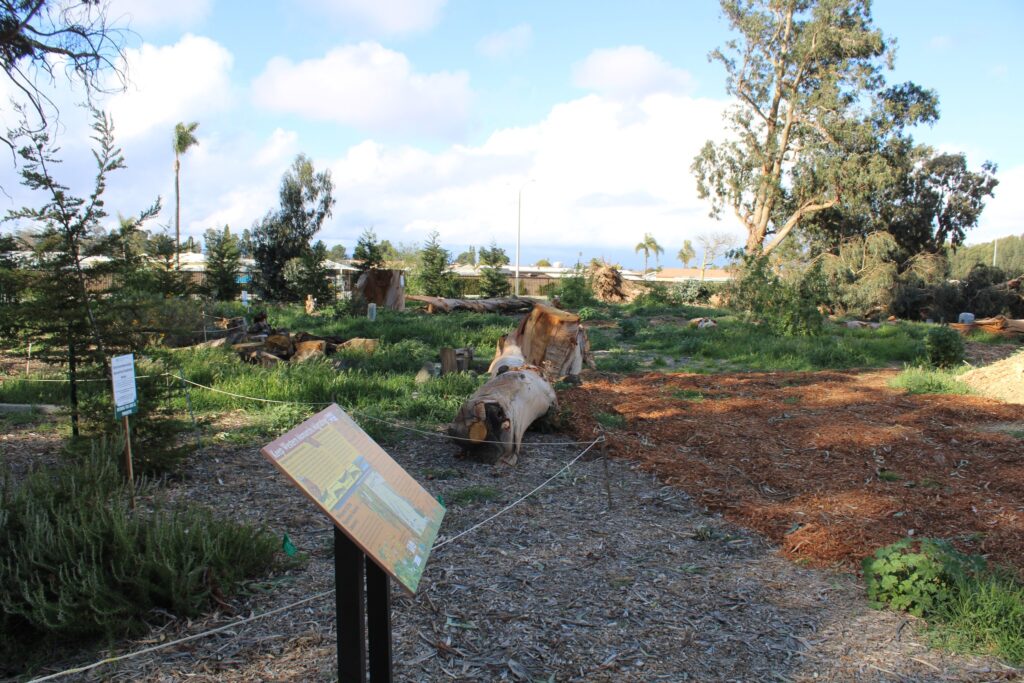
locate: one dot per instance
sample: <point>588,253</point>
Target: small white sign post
<point>126,402</point>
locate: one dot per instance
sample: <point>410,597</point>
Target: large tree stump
<point>549,338</point>
<point>436,304</point>
<point>494,419</point>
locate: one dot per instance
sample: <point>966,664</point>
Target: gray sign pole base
<point>363,603</point>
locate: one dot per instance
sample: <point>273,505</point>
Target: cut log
<point>449,364</point>
<point>549,338</point>
<point>494,419</point>
<point>360,344</point>
<point>280,345</point>
<point>305,350</point>
<point>382,287</point>
<point>1000,325</point>
<point>436,304</point>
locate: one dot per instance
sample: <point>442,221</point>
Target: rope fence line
<point>298,603</point>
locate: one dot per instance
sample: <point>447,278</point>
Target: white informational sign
<point>122,372</point>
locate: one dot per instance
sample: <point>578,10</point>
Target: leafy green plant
<point>918,576</point>
<point>610,420</point>
<point>943,348</point>
<point>927,381</point>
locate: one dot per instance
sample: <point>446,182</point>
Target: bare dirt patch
<point>830,465</point>
<point>1003,380</point>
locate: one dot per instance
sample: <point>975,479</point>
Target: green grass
<point>985,616</point>
<point>687,395</point>
<point>610,420</point>
<point>916,380</point>
<point>472,494</point>
<point>739,345</point>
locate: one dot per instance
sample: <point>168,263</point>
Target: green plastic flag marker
<point>288,547</point>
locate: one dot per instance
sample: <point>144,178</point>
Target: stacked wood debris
<point>436,304</point>
<point>281,346</point>
<point>1000,325</point>
<point>608,284</point>
<point>547,345</point>
<point>386,288</point>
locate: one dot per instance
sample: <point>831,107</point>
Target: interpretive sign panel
<point>368,495</point>
<point>122,371</point>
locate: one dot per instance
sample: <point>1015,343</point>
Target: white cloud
<point>369,87</point>
<point>508,43</point>
<point>628,72</point>
<point>173,83</point>
<point>1004,213</point>
<point>158,13</point>
<point>390,17</point>
<point>281,145</point>
<point>601,180</point>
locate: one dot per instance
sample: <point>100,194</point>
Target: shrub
<point>943,348</point>
<point>917,576</point>
<point>574,291</point>
<point>789,308</point>
<point>628,327</point>
<point>77,564</point>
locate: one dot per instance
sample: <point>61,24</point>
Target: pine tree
<point>369,253</point>
<point>493,282</point>
<point>433,276</point>
<point>223,259</point>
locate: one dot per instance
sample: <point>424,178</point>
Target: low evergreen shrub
<point>943,348</point>
<point>76,564</point>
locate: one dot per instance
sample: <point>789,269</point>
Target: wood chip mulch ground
<point>829,465</point>
<point>563,587</point>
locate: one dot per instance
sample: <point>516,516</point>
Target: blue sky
<point>434,114</point>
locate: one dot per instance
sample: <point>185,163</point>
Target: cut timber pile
<point>548,344</point>
<point>1003,380</point>
<point>270,349</point>
<point>386,288</point>
<point>1000,325</point>
<point>436,304</point>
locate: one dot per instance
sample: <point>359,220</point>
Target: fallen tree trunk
<point>495,418</point>
<point>436,304</point>
<point>1000,325</point>
<point>549,338</point>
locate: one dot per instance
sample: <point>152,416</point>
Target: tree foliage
<point>307,200</point>
<point>931,201</point>
<point>468,257</point>
<point>433,277</point>
<point>368,253</point>
<point>308,274</point>
<point>813,116</point>
<point>184,139</point>
<point>1007,255</point>
<point>686,253</point>
<point>649,246</point>
<point>39,38</point>
<point>223,260</point>
<point>493,282</point>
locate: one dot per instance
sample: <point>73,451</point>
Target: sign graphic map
<point>375,502</point>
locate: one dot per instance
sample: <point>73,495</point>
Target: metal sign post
<point>126,402</point>
<point>363,617</point>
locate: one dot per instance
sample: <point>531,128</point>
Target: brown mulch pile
<point>829,465</point>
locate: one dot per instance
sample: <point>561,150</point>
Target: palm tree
<point>184,138</point>
<point>648,246</point>
<point>686,254</point>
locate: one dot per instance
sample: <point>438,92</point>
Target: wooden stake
<point>128,462</point>
<point>449,363</point>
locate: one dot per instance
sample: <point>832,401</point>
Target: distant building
<point>668,275</point>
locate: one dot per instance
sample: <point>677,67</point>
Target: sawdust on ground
<point>1003,380</point>
<point>829,465</point>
